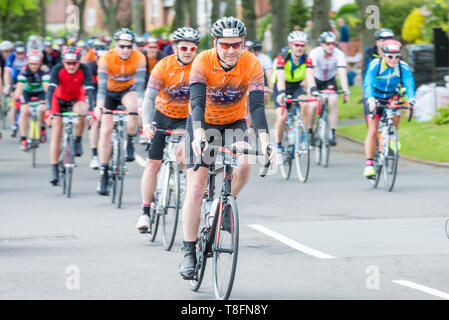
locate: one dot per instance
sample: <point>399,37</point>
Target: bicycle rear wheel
<point>377,164</point>
<point>69,164</point>
<point>325,146</point>
<point>286,165</point>
<point>121,173</point>
<point>391,159</point>
<point>302,154</point>
<point>154,222</point>
<point>171,208</point>
<point>225,250</point>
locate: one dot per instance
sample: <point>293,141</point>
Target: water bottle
<point>211,208</point>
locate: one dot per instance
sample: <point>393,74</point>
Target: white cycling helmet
<point>6,46</point>
<point>297,36</point>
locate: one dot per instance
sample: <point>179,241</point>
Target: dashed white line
<point>291,243</point>
<point>422,288</point>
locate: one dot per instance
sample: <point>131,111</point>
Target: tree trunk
<point>249,18</point>
<point>215,11</point>
<point>179,19</point>
<point>231,8</point>
<point>279,12</point>
<point>193,19</point>
<point>320,19</point>
<point>368,24</point>
<point>5,21</point>
<point>137,16</point>
<point>110,8</point>
<point>81,4</point>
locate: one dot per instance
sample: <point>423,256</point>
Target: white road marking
<point>422,288</point>
<point>140,161</point>
<point>291,243</point>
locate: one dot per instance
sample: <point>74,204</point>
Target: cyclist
<point>326,62</point>
<point>140,44</point>
<point>51,56</point>
<point>381,81</point>
<point>267,65</point>
<point>220,80</point>
<point>168,93</point>
<point>121,80</point>
<point>375,51</point>
<point>32,83</point>
<point>70,82</point>
<point>153,55</point>
<point>289,73</point>
<point>100,49</point>
<point>15,62</point>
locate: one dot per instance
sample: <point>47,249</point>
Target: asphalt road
<point>332,238</point>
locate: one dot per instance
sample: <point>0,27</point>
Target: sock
<point>146,209</point>
<point>94,152</point>
<point>333,131</point>
<point>310,130</point>
<point>131,137</point>
<point>279,145</point>
<point>369,162</point>
<point>22,138</point>
<point>42,128</point>
<point>78,139</point>
<point>54,167</point>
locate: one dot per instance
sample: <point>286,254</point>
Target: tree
<point>137,16</point>
<point>10,10</point>
<point>231,8</point>
<point>394,12</point>
<point>299,14</point>
<point>412,30</point>
<point>215,15</point>
<point>110,9</point>
<point>192,4</point>
<point>279,11</point>
<point>81,4</point>
<point>320,19</point>
<point>249,18</point>
<point>179,19</point>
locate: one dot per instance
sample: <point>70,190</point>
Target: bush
<point>412,30</point>
<point>442,116</point>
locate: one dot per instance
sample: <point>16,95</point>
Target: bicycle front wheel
<point>302,154</point>
<point>171,208</point>
<point>121,173</point>
<point>154,223</point>
<point>286,165</point>
<point>391,159</point>
<point>225,248</point>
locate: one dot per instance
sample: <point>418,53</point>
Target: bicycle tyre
<point>174,192</point>
<point>325,146</point>
<point>377,168</point>
<point>391,160</point>
<point>113,186</point>
<point>154,222</point>
<point>286,165</point>
<point>121,173</point>
<point>224,274</point>
<point>302,153</point>
<point>69,159</point>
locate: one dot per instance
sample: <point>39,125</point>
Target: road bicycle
<point>386,156</point>
<point>167,197</point>
<point>118,168</point>
<point>296,141</point>
<point>322,129</point>
<point>219,227</point>
<point>67,157</point>
<point>34,134</point>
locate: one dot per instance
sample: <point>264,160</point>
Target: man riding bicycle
<point>70,82</point>
<point>121,81</point>
<point>288,76</point>
<point>374,51</point>
<point>32,83</point>
<point>221,81</point>
<point>166,103</point>
<point>326,62</point>
<point>15,62</point>
<point>381,81</point>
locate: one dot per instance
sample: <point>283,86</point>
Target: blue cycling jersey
<point>381,81</point>
<point>15,64</point>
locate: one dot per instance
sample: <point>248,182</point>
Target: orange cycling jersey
<point>226,92</point>
<point>172,81</point>
<point>121,73</point>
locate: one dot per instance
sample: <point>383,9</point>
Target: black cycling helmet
<point>125,34</point>
<point>228,27</point>
<point>186,34</point>
<point>256,46</point>
<point>71,53</point>
<point>19,47</point>
<point>384,34</point>
<point>140,41</point>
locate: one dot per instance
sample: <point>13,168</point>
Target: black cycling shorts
<point>330,84</point>
<point>224,135</point>
<point>114,98</point>
<point>295,92</point>
<point>156,150</point>
<point>27,96</point>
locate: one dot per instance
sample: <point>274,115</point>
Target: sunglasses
<point>299,45</point>
<point>393,57</point>
<point>227,46</point>
<point>330,43</point>
<point>152,47</point>
<point>185,49</point>
<point>71,63</point>
<point>121,46</point>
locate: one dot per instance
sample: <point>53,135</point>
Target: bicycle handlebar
<point>392,104</point>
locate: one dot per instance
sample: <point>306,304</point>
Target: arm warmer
<point>198,103</point>
<point>102,83</point>
<point>140,83</point>
<point>148,105</point>
<point>257,109</point>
